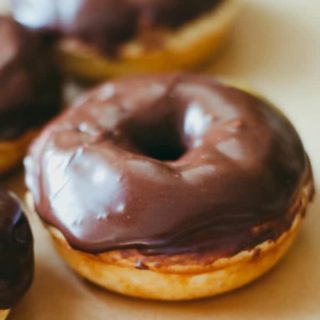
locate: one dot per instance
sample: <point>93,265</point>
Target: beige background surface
<point>276,50</point>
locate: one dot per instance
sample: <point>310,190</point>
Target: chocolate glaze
<point>29,82</point>
<point>107,23</point>
<point>16,251</point>
<point>168,164</point>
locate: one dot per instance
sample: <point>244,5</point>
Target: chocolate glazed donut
<point>171,166</point>
<point>30,89</point>
<point>16,252</point>
<point>97,39</point>
<point>106,23</point>
<point>30,86</point>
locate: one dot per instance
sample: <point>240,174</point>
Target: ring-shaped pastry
<point>170,187</point>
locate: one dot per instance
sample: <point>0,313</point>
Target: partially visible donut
<point>4,314</point>
<point>103,38</point>
<point>170,187</point>
<point>16,253</point>
<point>30,90</point>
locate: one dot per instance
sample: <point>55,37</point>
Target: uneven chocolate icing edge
<point>167,165</point>
<point>106,24</point>
<point>16,251</point>
<point>30,84</point>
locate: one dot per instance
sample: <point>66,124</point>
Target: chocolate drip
<point>106,24</point>
<point>30,90</point>
<point>168,164</point>
<point>16,251</point>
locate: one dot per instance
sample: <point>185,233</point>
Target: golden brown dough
<point>4,314</point>
<point>181,277</point>
<point>12,151</point>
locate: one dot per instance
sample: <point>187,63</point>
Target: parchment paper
<point>276,50</point>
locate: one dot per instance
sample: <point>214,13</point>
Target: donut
<point>16,253</point>
<point>170,187</point>
<point>98,39</point>
<point>29,92</point>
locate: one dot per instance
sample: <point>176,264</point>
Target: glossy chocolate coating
<point>107,23</point>
<point>168,164</point>
<point>30,90</point>
<point>16,251</point>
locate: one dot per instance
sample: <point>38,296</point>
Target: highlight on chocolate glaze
<point>16,251</point>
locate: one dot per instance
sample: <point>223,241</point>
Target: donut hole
<point>161,140</point>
